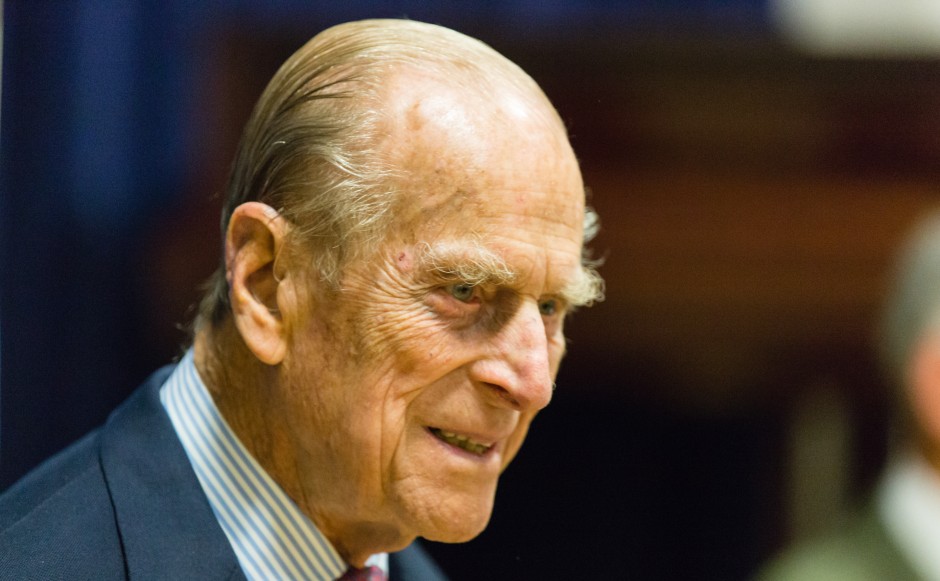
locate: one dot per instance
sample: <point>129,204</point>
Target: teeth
<point>461,441</point>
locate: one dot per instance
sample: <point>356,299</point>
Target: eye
<point>463,292</point>
<point>548,307</point>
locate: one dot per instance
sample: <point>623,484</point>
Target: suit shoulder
<point>46,480</point>
<point>57,522</point>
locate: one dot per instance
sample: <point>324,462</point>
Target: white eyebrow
<point>470,263</point>
<point>586,289</point>
<point>475,264</point>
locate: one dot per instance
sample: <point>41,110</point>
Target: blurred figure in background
<point>897,534</point>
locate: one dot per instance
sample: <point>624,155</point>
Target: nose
<point>517,371</point>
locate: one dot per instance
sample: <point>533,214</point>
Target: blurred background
<point>755,164</point>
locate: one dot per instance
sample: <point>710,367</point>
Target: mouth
<point>461,441</point>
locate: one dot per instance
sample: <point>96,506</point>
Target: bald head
<point>311,148</point>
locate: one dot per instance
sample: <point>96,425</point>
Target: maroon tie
<point>371,573</point>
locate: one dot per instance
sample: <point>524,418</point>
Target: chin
<point>456,532</point>
<point>452,519</point>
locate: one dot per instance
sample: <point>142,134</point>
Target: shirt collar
<point>271,537</point>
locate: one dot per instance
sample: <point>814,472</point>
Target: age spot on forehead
<point>414,118</point>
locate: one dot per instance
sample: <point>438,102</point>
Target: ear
<point>256,234</point>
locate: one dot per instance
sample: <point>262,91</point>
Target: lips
<point>461,441</point>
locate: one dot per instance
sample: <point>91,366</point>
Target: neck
<point>233,377</point>
<point>243,389</point>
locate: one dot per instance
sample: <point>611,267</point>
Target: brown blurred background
<point>721,402</point>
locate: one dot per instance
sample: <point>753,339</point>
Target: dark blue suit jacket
<point>124,503</point>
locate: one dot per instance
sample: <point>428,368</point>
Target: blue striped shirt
<point>271,537</point>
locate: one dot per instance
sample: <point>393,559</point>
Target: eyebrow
<point>471,263</point>
<point>475,264</point>
<point>585,290</point>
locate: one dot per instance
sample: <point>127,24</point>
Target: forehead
<point>481,163</point>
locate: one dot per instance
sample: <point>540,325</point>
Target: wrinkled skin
<point>373,376</point>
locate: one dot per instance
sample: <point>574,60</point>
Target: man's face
<point>413,388</point>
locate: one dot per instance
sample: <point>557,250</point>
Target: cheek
<point>409,342</point>
<point>386,327</point>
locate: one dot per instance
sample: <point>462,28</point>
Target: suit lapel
<point>166,526</point>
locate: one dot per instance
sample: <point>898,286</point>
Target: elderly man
<point>403,236</point>
<point>898,535</point>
